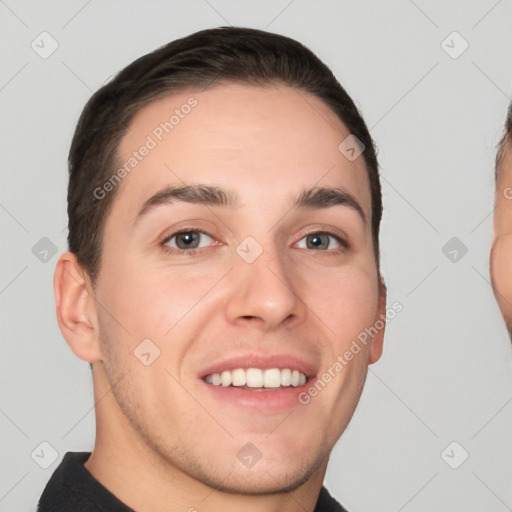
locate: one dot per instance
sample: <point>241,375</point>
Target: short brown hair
<point>213,56</point>
<point>506,140</point>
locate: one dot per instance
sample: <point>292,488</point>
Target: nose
<point>265,294</point>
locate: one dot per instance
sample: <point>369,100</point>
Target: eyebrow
<point>210,195</point>
<point>325,197</point>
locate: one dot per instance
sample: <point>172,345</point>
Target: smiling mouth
<point>257,379</point>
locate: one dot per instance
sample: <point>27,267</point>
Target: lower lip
<point>271,399</point>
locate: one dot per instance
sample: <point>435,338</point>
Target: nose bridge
<point>264,292</point>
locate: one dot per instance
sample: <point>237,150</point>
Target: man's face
<point>259,284</point>
<point>501,253</point>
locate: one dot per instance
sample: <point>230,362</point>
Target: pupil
<point>188,238</point>
<point>316,241</point>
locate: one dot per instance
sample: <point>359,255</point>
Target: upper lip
<point>263,361</point>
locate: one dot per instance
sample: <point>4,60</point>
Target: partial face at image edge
<point>501,252</point>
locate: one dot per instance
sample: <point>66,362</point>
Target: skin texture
<point>162,443</point>
<point>501,252</point>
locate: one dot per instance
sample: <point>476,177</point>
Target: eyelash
<point>184,252</point>
<point>199,251</point>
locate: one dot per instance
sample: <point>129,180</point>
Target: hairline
<point>505,144</point>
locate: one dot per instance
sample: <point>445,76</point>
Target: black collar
<point>72,488</point>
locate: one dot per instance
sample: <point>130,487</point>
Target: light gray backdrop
<point>443,389</point>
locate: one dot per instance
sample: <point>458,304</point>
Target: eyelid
<point>332,236</point>
<point>164,240</point>
<point>167,239</point>
<point>327,230</point>
<point>185,227</point>
<point>188,225</point>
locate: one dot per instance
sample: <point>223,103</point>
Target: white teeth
<point>226,378</point>
<point>239,377</point>
<point>272,378</point>
<point>254,378</point>
<point>257,378</point>
<point>286,377</point>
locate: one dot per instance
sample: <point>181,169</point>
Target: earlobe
<point>76,308</point>
<point>380,322</point>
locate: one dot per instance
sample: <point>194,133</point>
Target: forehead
<point>262,141</point>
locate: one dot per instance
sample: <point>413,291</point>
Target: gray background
<point>446,372</point>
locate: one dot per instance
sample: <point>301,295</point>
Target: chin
<point>269,475</point>
<point>263,480</point>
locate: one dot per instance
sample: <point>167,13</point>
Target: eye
<point>187,240</point>
<point>321,240</point>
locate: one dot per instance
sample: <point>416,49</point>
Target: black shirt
<point>72,488</point>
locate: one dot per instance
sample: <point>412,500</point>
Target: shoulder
<point>326,503</point>
<point>72,488</point>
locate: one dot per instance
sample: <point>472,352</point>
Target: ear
<point>76,308</point>
<point>378,339</point>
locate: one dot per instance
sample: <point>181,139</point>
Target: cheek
<point>346,301</point>
<point>136,305</point>
<point>501,272</point>
<point>503,210</point>
<point>151,299</point>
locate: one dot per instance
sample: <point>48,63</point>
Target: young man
<point>222,278</point>
<point>501,252</point>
